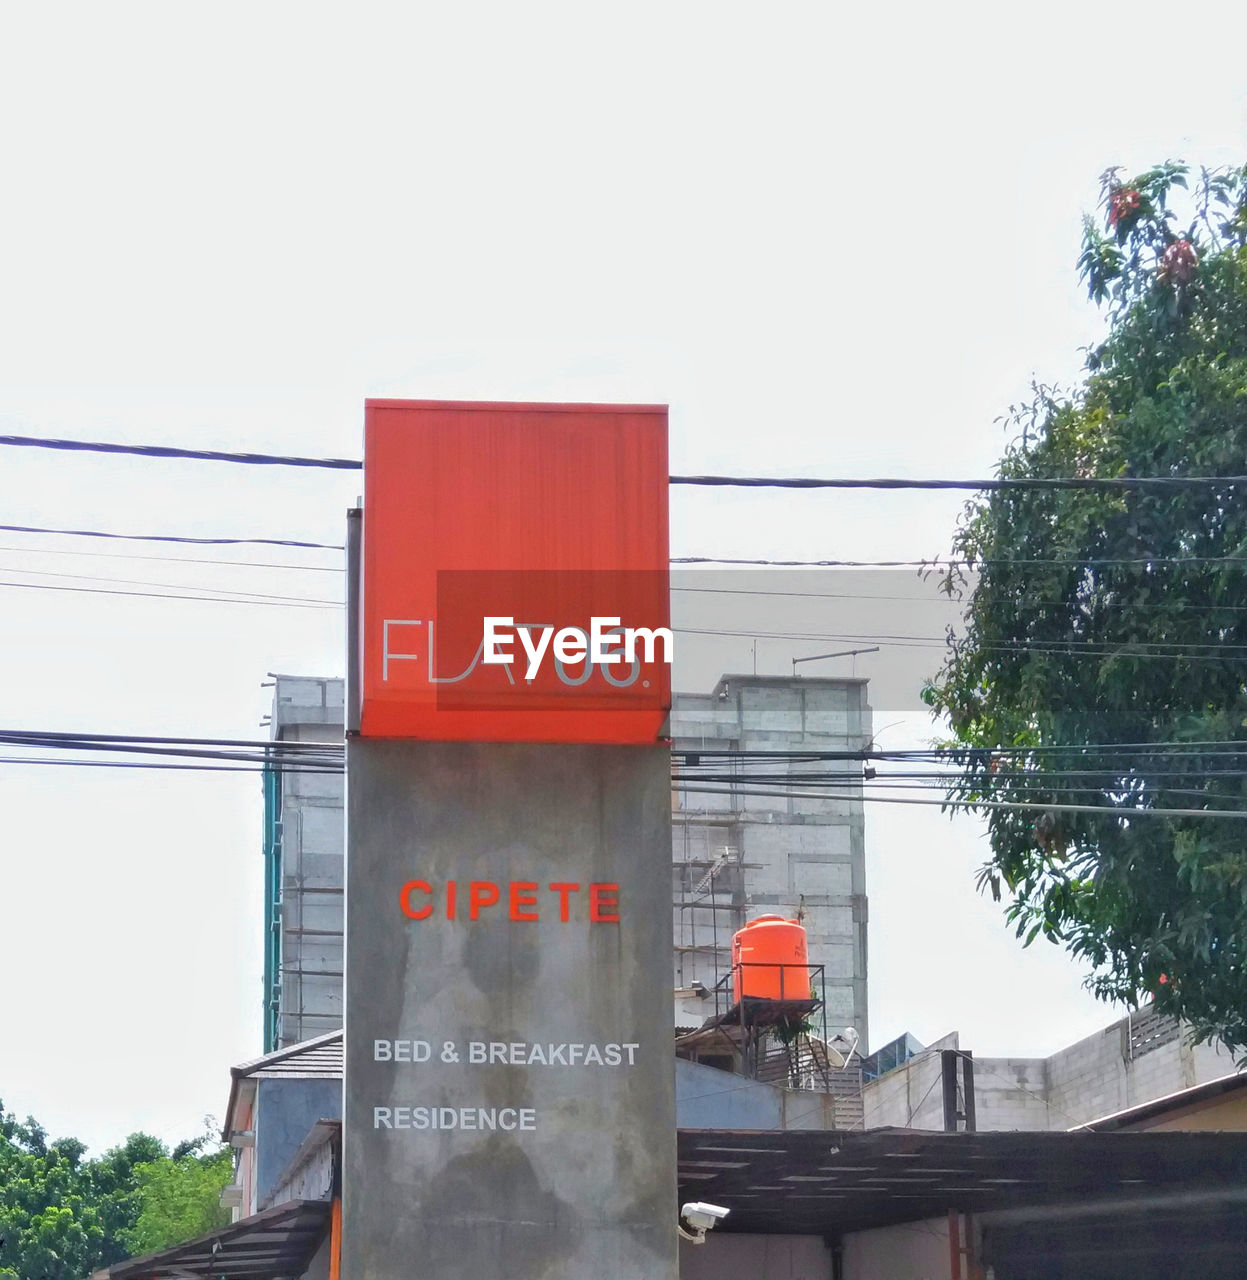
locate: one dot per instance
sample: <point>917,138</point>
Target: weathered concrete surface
<point>590,1191</point>
<point>286,1110</point>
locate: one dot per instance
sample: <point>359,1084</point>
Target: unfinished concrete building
<point>303,870</point>
<point>750,842</point>
<point>735,854</point>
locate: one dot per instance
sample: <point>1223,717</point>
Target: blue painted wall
<point>286,1110</point>
<point>707,1098</point>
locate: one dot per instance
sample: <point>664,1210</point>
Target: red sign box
<point>550,515</point>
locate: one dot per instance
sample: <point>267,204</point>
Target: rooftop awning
<point>825,1182</point>
<point>276,1243</point>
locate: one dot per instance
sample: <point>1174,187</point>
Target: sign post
<point>509,1075</point>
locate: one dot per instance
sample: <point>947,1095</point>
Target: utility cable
<point>328,758</point>
<point>712,481</point>
<point>1108,648</point>
<point>1041,601</point>
<point>267,743</point>
<point>158,537</point>
<point>131,555</point>
<point>944,602</point>
<point>935,563</point>
<point>161,595</point>
<point>170,765</point>
<point>939,563</point>
<point>180,586</point>
<point>1103,811</point>
<point>168,451</point>
<point>694,762</point>
<point>1002,483</point>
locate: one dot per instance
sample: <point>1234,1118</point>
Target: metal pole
<point>948,1072</point>
<point>967,1090</point>
<point>354,570</point>
<point>954,1244</point>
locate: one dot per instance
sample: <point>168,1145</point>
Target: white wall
<point>911,1251</point>
<point>742,1257</point>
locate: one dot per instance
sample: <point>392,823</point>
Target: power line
<point>280,744</point>
<point>1102,810</point>
<point>1005,483</point>
<point>170,765</point>
<point>1172,746</point>
<point>997,788</point>
<point>927,600</point>
<point>130,555</point>
<point>168,451</point>
<point>258,766</point>
<point>712,481</point>
<point>735,591</point>
<point>161,595</point>
<point>181,586</point>
<point>1211,651</point>
<point>289,746</point>
<point>250,755</point>
<point>160,537</point>
<point>934,564</point>
<point>332,752</point>
<point>937,563</point>
<point>190,750</point>
<point>746,591</point>
<point>1073,647</point>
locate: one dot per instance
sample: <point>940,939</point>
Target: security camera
<point>698,1214</point>
<point>701,1218</point>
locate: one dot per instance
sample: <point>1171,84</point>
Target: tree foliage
<point>1104,658</point>
<point>63,1216</point>
<point>180,1198</point>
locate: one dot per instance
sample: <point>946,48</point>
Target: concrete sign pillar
<point>510,1105</point>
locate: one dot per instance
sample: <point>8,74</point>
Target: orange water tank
<point>770,961</point>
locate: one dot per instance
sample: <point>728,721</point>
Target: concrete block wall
<point>1010,1093</point>
<point>909,1097</point>
<point>784,855</point>
<point>307,709</point>
<point>1116,1068</point>
<point>1089,1078</point>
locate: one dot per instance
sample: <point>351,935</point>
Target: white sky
<point>836,240</point>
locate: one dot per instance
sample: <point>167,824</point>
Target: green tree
<point>49,1224</point>
<point>180,1197</point>
<point>62,1216</point>
<point>1104,658</point>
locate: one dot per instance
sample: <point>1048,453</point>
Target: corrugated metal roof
<point>277,1242</point>
<point>317,1059</point>
<point>828,1182</point>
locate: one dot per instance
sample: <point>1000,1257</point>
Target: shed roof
<point>316,1059</point>
<point>275,1242</point>
<point>810,1182</point>
<point>320,1058</point>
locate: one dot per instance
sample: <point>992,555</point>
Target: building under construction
<point>745,841</point>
